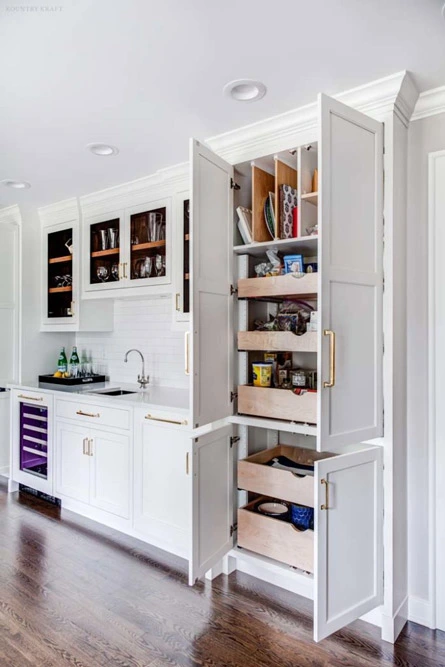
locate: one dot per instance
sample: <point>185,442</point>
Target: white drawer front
<point>96,415</point>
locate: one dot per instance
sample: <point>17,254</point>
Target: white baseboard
<point>421,611</point>
<point>392,626</point>
<point>4,471</point>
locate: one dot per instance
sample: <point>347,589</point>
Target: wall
<point>146,325</point>
<point>425,136</point>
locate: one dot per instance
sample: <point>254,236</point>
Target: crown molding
<point>11,215</point>
<point>430,103</point>
<point>63,211</point>
<point>162,183</point>
<point>392,94</point>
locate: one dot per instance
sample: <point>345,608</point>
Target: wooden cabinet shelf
<point>279,286</point>
<point>57,290</point>
<point>278,404</point>
<point>187,237</point>
<point>59,260</point>
<point>105,253</point>
<point>277,341</point>
<point>307,245</point>
<point>148,246</point>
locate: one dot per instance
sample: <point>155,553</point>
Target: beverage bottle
<point>74,362</point>
<point>62,364</point>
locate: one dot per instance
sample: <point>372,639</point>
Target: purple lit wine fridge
<point>34,440</point>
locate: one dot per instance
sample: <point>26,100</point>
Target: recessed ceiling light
<point>17,185</point>
<point>245,90</point>
<point>103,149</point>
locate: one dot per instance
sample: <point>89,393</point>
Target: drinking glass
<point>154,226</point>
<point>102,273</point>
<point>158,265</point>
<point>146,268</point>
<point>103,239</point>
<point>115,271</point>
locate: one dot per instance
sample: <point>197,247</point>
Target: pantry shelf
<point>311,197</point>
<point>277,341</point>
<point>278,403</point>
<point>148,246</point>
<point>57,290</point>
<point>274,424</point>
<point>307,245</point>
<point>303,286</point>
<point>105,253</point>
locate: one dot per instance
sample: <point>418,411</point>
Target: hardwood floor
<point>75,593</point>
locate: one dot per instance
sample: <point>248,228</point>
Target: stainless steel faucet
<point>142,379</point>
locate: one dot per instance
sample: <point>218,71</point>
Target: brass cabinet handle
<point>331,334</point>
<point>124,266</point>
<point>166,421</point>
<point>87,414</point>
<point>177,301</point>
<point>187,468</point>
<point>29,398</point>
<point>72,308</point>
<point>84,447</point>
<point>90,446</point>
<point>325,506</point>
<point>186,352</point>
<point>119,275</point>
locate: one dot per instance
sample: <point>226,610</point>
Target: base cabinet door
<point>348,539</point>
<point>162,483</point>
<point>212,501</point>
<point>110,466</point>
<point>72,461</point>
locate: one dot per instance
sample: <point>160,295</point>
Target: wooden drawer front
<point>271,341</point>
<point>255,476</point>
<point>278,404</point>
<point>275,538</point>
<point>96,415</point>
<point>287,285</point>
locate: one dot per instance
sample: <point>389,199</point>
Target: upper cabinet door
<point>211,237</point>
<point>348,538</point>
<point>103,241</point>
<point>351,295</point>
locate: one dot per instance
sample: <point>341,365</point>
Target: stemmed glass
<point>159,265</point>
<point>102,273</point>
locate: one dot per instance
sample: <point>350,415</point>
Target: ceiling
<point>145,76</point>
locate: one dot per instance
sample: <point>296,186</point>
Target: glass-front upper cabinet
<point>59,299</point>
<point>128,249</point>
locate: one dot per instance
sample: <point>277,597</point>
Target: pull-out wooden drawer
<point>97,415</point>
<point>255,475</point>
<point>275,538</point>
<point>302,285</point>
<point>278,341</point>
<point>278,404</point>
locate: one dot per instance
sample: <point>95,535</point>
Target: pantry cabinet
<point>61,306</point>
<point>339,235</point>
<point>128,251</point>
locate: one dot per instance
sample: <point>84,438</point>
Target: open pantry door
<point>348,538</point>
<point>211,241</point>
<point>350,217</point>
<point>212,501</point>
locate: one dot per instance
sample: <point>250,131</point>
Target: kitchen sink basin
<point>115,392</point>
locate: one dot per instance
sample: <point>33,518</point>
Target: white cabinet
<point>93,466</point>
<point>62,308</point>
<point>162,482</point>
<point>128,251</point>
<point>345,559</point>
<point>73,463</point>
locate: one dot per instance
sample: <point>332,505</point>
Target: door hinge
<point>233,185</point>
<point>234,439</point>
<point>233,528</point>
<point>233,290</point>
<point>233,395</point>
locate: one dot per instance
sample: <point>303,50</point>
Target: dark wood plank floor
<point>75,593</point>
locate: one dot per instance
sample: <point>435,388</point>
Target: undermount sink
<point>116,392</point>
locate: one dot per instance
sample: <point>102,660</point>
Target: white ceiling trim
<point>393,94</point>
<point>63,211</point>
<point>430,103</point>
<point>10,215</point>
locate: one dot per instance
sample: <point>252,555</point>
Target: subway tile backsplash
<point>146,325</point>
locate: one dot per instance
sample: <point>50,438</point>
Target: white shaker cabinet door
<point>351,294</point>
<point>72,462</point>
<point>211,211</point>
<point>212,501</point>
<point>348,538</point>
<point>110,456</point>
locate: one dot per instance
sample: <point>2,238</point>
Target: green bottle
<point>74,362</point>
<point>62,364</point>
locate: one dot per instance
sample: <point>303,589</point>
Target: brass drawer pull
<point>325,506</point>
<point>178,307</point>
<point>90,446</point>
<point>167,421</point>
<point>187,466</point>
<point>331,334</point>
<point>30,398</point>
<point>87,414</point>
<point>84,448</point>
